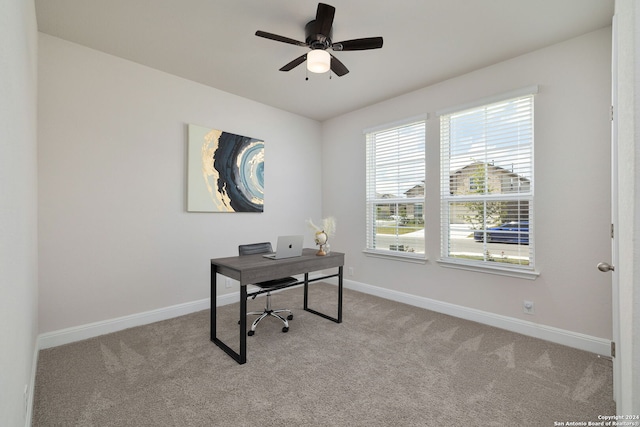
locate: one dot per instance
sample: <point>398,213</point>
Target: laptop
<point>287,247</point>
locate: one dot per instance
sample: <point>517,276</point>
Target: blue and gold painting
<point>226,172</point>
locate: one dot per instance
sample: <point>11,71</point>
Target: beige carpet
<point>387,364</point>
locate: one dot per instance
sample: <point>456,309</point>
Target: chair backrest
<point>255,248</point>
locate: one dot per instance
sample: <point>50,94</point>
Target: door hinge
<point>612,113</point>
<point>612,231</point>
<point>613,349</point>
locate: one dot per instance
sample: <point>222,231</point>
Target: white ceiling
<point>213,42</point>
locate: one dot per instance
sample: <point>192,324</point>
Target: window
<point>487,185</point>
<point>395,189</point>
<point>473,185</point>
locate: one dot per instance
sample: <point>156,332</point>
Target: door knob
<point>605,267</point>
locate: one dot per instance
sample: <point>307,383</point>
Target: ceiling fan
<point>318,38</point>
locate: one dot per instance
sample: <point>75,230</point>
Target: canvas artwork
<point>226,172</point>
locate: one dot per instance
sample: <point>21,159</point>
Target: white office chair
<point>262,248</point>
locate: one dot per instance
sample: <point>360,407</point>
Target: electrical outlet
<point>351,271</point>
<point>528,307</point>
<point>228,283</point>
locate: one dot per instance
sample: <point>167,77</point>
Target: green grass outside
<point>399,230</point>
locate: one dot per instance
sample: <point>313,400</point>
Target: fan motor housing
<point>314,39</point>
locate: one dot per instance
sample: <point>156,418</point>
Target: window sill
<point>397,256</point>
<point>489,269</point>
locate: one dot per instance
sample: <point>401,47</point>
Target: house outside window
<point>395,156</point>
<point>487,185</point>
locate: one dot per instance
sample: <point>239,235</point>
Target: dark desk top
<point>249,269</point>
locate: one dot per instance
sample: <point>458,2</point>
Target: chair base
<point>272,313</point>
<point>269,312</point>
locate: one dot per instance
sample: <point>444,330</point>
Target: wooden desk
<point>250,269</point>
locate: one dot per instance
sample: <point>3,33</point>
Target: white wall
<point>18,206</point>
<point>115,237</point>
<point>572,203</point>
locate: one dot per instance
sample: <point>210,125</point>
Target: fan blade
<point>338,67</point>
<point>279,38</point>
<point>358,44</point>
<point>293,64</point>
<point>324,18</point>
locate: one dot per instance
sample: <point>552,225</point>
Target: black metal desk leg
<point>238,357</point>
<point>306,291</point>
<point>214,299</point>
<point>243,324</point>
<point>340,294</point>
<point>306,297</point>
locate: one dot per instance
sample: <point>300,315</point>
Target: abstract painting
<point>226,172</point>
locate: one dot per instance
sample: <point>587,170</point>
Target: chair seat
<point>270,284</point>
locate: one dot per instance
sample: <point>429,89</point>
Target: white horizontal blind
<point>395,189</point>
<point>487,184</point>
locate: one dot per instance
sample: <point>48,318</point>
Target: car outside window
<point>487,183</point>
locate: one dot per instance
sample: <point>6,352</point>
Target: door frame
<point>615,280</point>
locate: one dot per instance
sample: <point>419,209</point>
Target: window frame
<point>372,202</point>
<point>448,199</point>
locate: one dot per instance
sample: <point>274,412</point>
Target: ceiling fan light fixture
<point>318,61</point>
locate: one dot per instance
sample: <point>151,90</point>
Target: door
<point>609,267</point>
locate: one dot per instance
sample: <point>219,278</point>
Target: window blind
<point>395,159</point>
<point>487,183</point>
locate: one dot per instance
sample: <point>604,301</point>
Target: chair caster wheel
<point>290,317</point>
<point>250,333</point>
<point>285,329</point>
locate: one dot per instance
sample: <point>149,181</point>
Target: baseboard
<point>548,333</point>
<point>90,330</point>
<point>560,336</point>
